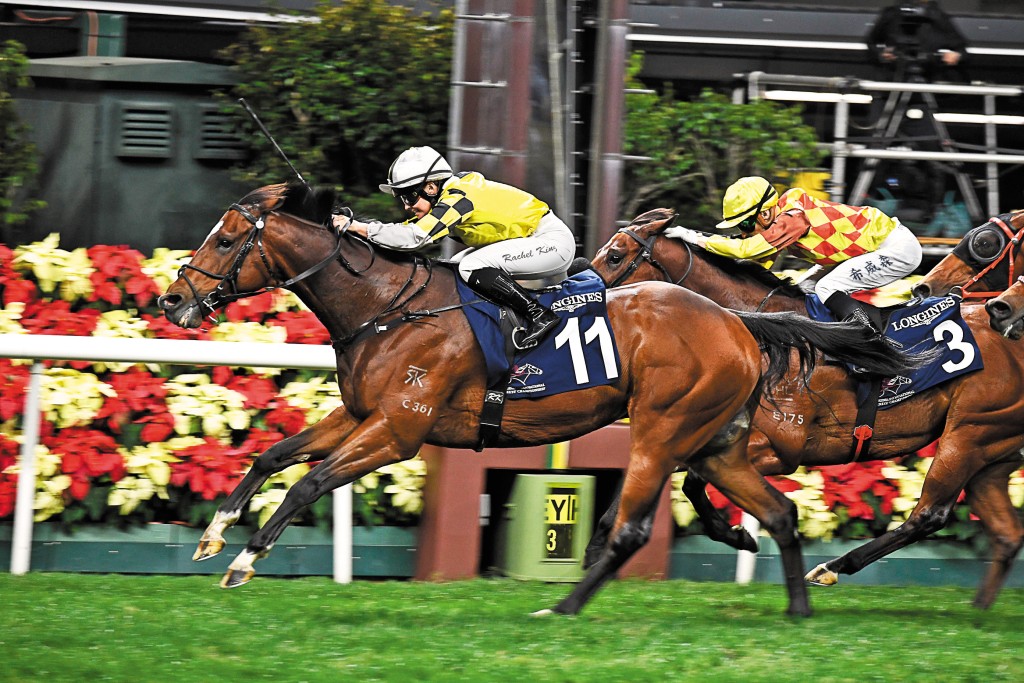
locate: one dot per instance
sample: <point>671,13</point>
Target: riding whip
<point>256,119</point>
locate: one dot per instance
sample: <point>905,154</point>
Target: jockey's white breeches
<point>897,256</point>
<point>547,252</point>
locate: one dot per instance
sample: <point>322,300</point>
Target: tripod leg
<point>885,129</point>
<point>962,179</point>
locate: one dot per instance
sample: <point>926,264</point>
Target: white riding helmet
<point>414,167</point>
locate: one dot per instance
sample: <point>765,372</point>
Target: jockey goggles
<point>749,224</point>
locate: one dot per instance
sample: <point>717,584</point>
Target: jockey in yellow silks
<point>862,247</point>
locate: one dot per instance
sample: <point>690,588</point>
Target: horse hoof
<point>822,576</point>
<point>207,549</point>
<point>743,539</point>
<point>542,613</point>
<point>234,578</point>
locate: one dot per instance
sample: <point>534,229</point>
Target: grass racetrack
<point>82,627</point>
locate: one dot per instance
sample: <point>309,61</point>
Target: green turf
<point>66,627</point>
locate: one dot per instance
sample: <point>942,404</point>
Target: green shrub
<point>698,148</point>
<point>17,154</point>
<point>344,95</point>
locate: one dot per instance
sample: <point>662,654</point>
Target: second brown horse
<point>978,418</point>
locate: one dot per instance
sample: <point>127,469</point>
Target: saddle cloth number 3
<point>956,343</point>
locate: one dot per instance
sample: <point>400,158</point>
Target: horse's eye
<point>615,259</point>
<point>223,243</point>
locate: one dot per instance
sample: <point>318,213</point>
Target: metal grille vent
<point>218,138</point>
<point>145,131</point>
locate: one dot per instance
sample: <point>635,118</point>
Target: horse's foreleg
<point>989,498</point>
<point>733,475</point>
<point>369,448</point>
<point>314,443</point>
<point>715,525</point>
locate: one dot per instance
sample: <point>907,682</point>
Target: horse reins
<point>1012,241</point>
<point>646,253</point>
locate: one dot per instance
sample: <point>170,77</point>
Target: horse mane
<point>295,198</point>
<point>655,221</point>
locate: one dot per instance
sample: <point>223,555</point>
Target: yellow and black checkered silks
<point>477,211</point>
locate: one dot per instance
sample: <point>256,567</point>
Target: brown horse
<point>388,311</point>
<point>984,263</point>
<point>979,416</point>
<point>1006,311</point>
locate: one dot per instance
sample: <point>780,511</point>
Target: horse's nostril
<point>997,310</point>
<point>168,301</point>
<point>922,291</point>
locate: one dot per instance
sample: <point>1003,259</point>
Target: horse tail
<point>852,343</point>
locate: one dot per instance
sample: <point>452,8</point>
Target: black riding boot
<point>847,309</point>
<point>499,287</point>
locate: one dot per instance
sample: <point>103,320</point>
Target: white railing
<point>185,352</point>
<point>103,349</point>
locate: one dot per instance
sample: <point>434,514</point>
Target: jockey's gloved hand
<point>692,236</point>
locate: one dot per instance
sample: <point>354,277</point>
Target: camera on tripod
<point>907,46</point>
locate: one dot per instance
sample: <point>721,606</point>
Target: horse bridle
<point>218,297</point>
<point>646,253</point>
<point>984,266</point>
<point>229,280</point>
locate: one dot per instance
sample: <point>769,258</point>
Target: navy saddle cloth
<point>580,353</point>
<point>917,326</point>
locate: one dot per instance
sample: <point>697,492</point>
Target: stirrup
<point>524,338</point>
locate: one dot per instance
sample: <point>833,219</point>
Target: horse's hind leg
<point>600,538</point>
<point>989,498</point>
<point>638,502</point>
<point>314,443</point>
<point>952,468</point>
<point>734,475</point>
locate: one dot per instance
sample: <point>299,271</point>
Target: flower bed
<point>124,443</point>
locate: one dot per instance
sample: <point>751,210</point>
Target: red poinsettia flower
<point>252,309</point>
<point>18,289</point>
<point>9,449</point>
<point>259,440</point>
<point>56,317</point>
<point>845,486</point>
<point>157,427</point>
<point>86,454</point>
<point>210,469</point>
<point>302,326</point>
<point>13,385</point>
<point>137,392</point>
<point>258,391</point>
<point>287,419</point>
<point>119,270</point>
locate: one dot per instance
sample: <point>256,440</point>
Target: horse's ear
<point>658,220</point>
